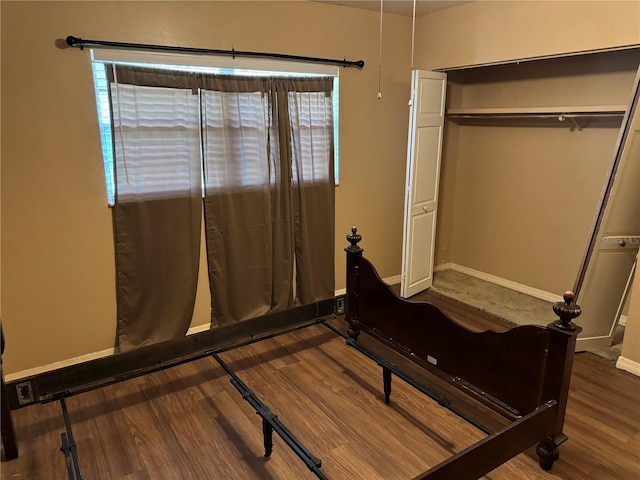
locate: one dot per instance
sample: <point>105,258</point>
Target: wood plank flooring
<point>189,422</point>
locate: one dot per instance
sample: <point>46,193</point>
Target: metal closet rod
<point>81,43</point>
<point>559,116</point>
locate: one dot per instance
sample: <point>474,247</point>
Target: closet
<point>528,150</point>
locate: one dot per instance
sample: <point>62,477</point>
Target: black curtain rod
<point>80,42</point>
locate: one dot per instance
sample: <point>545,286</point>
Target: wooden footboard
<point>514,372</point>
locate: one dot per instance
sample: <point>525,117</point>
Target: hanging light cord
<point>413,32</point>
<point>380,54</point>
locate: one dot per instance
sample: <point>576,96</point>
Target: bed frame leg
<point>267,432</point>
<point>548,453</point>
<point>386,379</point>
<point>9,443</point>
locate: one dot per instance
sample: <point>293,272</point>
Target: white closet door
<point>426,123</point>
<point>611,266</point>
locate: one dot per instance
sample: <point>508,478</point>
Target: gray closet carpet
<point>512,306</point>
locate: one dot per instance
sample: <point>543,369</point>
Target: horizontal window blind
<point>311,115</point>
<point>236,136</point>
<point>157,141</point>
<point>164,119</point>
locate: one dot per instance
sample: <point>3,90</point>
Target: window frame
<point>197,63</point>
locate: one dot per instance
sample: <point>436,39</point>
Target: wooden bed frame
<point>523,374</point>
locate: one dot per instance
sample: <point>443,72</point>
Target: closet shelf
<point>574,117</point>
<point>575,111</point>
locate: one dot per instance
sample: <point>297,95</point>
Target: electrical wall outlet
<point>339,309</point>
<point>25,393</point>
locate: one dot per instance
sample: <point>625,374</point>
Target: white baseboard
<point>393,280</point>
<point>503,282</point>
<point>627,365</point>
<point>61,364</point>
<point>389,280</point>
<point>199,329</point>
<point>443,266</point>
<point>80,359</point>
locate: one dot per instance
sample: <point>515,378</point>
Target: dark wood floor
<point>189,422</point>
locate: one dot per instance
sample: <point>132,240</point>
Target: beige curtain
<point>158,209</point>
<point>265,147</point>
<point>311,118</point>
<point>259,195</point>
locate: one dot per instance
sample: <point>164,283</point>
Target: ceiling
<point>400,7</point>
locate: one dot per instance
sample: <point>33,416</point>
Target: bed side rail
<point>492,451</point>
<point>83,377</point>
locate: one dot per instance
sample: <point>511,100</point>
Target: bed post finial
<point>354,238</point>
<point>566,311</point>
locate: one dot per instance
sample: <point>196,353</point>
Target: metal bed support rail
<point>271,423</point>
<point>69,448</point>
<point>389,368</point>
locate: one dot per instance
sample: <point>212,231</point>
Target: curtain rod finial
<point>61,43</point>
<point>73,41</point>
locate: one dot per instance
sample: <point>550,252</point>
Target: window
<point>174,129</point>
